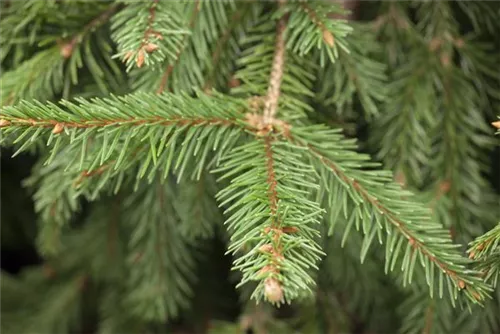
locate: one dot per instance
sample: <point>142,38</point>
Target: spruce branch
<point>377,200</point>
<point>482,15</point>
<point>52,70</point>
<point>223,57</point>
<point>310,25</point>
<point>56,308</point>
<point>170,67</point>
<point>159,120</point>
<point>271,220</point>
<point>485,251</point>
<point>68,46</point>
<point>148,33</point>
<point>434,92</point>
<point>356,73</point>
<point>405,146</point>
<point>56,200</point>
<point>256,64</point>
<point>160,263</point>
<point>187,71</point>
<point>40,78</point>
<point>460,100</point>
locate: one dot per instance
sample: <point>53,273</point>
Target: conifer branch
<point>170,67</point>
<point>274,88</point>
<point>256,64</point>
<point>148,32</point>
<point>271,218</point>
<point>413,241</point>
<point>485,251</point>
<point>160,264</point>
<point>151,19</point>
<point>36,115</point>
<point>328,37</point>
<point>311,26</point>
<point>68,46</point>
<point>368,189</point>
<point>221,43</point>
<point>157,119</point>
<point>53,70</point>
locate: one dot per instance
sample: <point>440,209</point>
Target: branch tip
<point>273,290</point>
<point>58,128</point>
<point>328,38</point>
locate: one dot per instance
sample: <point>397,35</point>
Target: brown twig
<point>10,122</point>
<point>151,19</point>
<point>273,90</point>
<point>271,179</point>
<point>113,230</point>
<point>428,319</point>
<point>272,286</point>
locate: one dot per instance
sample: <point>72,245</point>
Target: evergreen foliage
<point>161,126</point>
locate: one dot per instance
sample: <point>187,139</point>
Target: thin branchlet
<point>273,288</point>
<point>274,88</point>
<point>170,67</point>
<point>68,47</point>
<point>220,44</point>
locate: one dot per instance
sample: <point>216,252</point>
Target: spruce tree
<point>341,155</point>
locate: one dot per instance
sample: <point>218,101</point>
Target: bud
<point>66,50</point>
<point>445,60</point>
<point>4,123</point>
<point>150,47</point>
<point>472,255</point>
<point>266,248</point>
<point>459,43</point>
<point>58,128</point>
<point>272,290</point>
<point>434,44</point>
<point>266,269</point>
<point>328,38</point>
<point>48,271</point>
<point>461,284</point>
<point>140,59</point>
<point>496,124</point>
<point>234,82</point>
<point>290,229</point>
<point>444,186</point>
<point>400,178</point>
<point>246,322</point>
